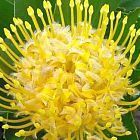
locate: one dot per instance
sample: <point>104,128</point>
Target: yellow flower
<point>68,80</point>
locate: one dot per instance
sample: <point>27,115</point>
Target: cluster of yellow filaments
<point>68,81</point>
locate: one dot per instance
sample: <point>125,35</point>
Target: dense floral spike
<point>69,81</point>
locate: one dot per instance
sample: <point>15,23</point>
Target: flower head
<point>68,80</point>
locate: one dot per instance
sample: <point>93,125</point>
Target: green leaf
<point>130,4</point>
<point>10,1</point>
<point>6,14</point>
<point>10,135</point>
<point>129,123</point>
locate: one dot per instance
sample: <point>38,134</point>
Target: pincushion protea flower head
<point>68,80</point>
